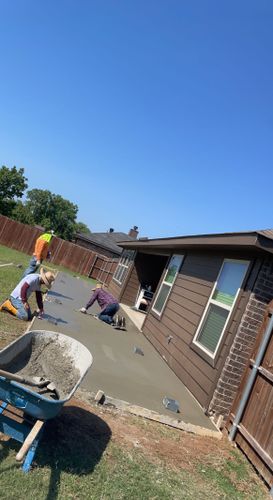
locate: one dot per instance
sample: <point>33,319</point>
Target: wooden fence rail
<point>22,237</point>
<point>255,430</point>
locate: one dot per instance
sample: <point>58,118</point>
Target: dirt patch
<point>45,357</point>
<point>161,444</point>
<point>7,337</point>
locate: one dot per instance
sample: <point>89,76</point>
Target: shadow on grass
<point>4,453</point>
<point>74,443</point>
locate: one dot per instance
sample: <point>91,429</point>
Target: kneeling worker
<point>108,304</point>
<point>18,304</point>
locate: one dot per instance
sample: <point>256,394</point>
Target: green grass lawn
<point>91,452</point>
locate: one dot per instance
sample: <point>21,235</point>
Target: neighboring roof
<point>108,241</point>
<point>268,233</point>
<point>260,239</point>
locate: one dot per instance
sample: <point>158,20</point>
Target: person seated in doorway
<point>41,252</point>
<point>143,306</point>
<point>108,304</point>
<point>18,305</point>
<point>145,301</point>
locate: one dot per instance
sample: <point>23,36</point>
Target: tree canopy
<point>12,186</point>
<point>52,212</point>
<point>41,207</point>
<point>82,228</point>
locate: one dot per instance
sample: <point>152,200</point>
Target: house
<point>105,243</point>
<point>206,299</point>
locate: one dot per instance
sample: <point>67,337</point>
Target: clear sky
<point>143,112</point>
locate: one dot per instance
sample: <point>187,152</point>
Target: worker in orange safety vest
<point>41,252</point>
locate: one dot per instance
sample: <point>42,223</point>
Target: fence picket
<point>86,262</point>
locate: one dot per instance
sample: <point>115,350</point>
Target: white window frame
<point>219,304</point>
<point>170,285</point>
<point>123,266</point>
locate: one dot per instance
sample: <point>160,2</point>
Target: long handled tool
<point>40,382</point>
<point>11,264</point>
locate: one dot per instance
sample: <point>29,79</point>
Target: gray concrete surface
<point>117,370</point>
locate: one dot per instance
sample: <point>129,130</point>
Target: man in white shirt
<point>18,304</point>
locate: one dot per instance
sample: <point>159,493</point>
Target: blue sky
<point>143,112</point>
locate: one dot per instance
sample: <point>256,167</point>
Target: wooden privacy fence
<point>254,434</point>
<point>22,237</point>
<point>103,269</point>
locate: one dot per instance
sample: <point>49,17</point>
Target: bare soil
<point>161,443</point>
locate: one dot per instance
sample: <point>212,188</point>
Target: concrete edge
<point>149,414</point>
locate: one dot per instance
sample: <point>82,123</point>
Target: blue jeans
<point>108,313</point>
<point>22,313</point>
<point>32,267</point>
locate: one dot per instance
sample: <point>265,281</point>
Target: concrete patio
<point>142,380</point>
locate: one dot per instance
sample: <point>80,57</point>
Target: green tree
<point>52,212</point>
<point>22,213</point>
<point>12,186</point>
<point>82,228</point>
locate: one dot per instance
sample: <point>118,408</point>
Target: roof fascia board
<point>203,241</point>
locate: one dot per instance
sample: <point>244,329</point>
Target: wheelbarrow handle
<point>29,440</point>
<point>16,378</point>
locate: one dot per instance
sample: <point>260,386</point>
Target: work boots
<point>8,307</point>
<point>116,321</point>
<point>119,322</point>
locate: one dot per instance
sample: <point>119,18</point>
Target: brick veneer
<point>243,342</point>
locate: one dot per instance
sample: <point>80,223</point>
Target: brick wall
<point>243,343</point>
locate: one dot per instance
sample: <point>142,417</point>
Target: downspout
<point>251,380</point>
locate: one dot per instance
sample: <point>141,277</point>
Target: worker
<point>108,304</point>
<point>18,305</point>
<point>40,253</point>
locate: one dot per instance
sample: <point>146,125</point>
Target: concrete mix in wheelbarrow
<point>47,358</point>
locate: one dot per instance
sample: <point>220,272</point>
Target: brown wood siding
<point>115,289</point>
<point>180,320</point>
<point>118,289</point>
<point>129,295</point>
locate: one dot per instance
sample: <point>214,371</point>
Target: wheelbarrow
<point>23,411</point>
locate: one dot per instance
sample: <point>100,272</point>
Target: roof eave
<point>238,241</point>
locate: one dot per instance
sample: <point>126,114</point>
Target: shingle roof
<point>268,233</point>
<point>107,240</point>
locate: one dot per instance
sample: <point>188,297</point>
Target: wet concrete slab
<point>143,380</point>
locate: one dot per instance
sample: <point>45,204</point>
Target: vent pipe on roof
<point>111,230</point>
<point>133,232</point>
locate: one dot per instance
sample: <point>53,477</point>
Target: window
<point>220,305</point>
<point>167,283</point>
<point>122,267</point>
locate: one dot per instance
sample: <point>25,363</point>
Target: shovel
<point>35,381</point>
